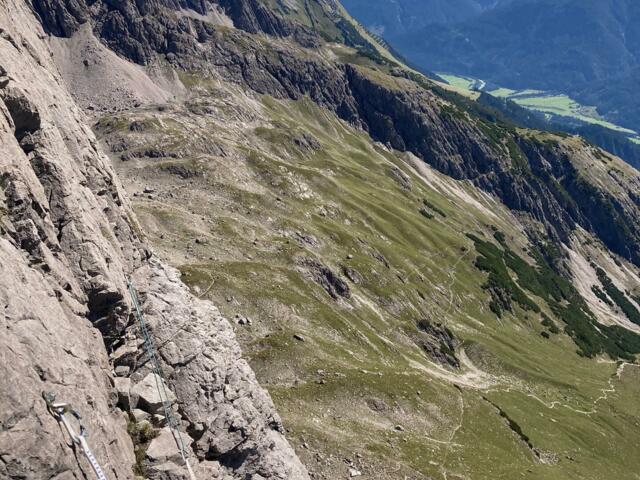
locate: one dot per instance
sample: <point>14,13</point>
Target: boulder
<point>140,415</point>
<point>146,395</point>
<point>123,387</point>
<point>164,448</point>
<point>122,370</point>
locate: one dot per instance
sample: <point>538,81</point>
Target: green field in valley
<point>551,104</point>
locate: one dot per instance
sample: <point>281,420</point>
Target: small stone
<point>123,386</point>
<point>159,420</point>
<point>140,415</point>
<point>350,257</point>
<point>122,371</point>
<point>147,393</point>
<point>354,473</point>
<point>399,428</point>
<point>163,448</point>
<point>125,355</point>
<point>148,190</point>
<point>298,337</point>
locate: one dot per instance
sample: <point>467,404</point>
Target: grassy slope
<point>358,373</point>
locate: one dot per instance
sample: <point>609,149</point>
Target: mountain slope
<point>424,291</point>
<point>397,111</point>
<point>390,19</point>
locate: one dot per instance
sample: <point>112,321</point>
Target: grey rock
<point>125,355</point>
<point>330,281</point>
<point>140,415</point>
<point>164,447</point>
<point>352,274</point>
<point>402,178</point>
<point>123,387</point>
<point>216,389</point>
<point>146,394</point>
<point>438,342</point>
<point>166,471</point>
<point>159,420</point>
<point>62,279</point>
<point>307,141</point>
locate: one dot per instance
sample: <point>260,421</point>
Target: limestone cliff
<point>68,243</point>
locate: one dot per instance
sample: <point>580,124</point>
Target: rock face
<point>329,280</point>
<point>229,419</point>
<point>68,242</point>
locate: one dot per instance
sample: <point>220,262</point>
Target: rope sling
<point>59,411</point>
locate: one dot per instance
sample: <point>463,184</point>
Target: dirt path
<point>556,403</point>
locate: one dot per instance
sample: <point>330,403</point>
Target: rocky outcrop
<point>438,342</point>
<point>329,280</point>
<point>68,242</point>
<point>139,30</point>
<point>229,420</point>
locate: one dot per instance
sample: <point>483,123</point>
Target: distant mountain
<point>392,18</point>
<point>589,49</point>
